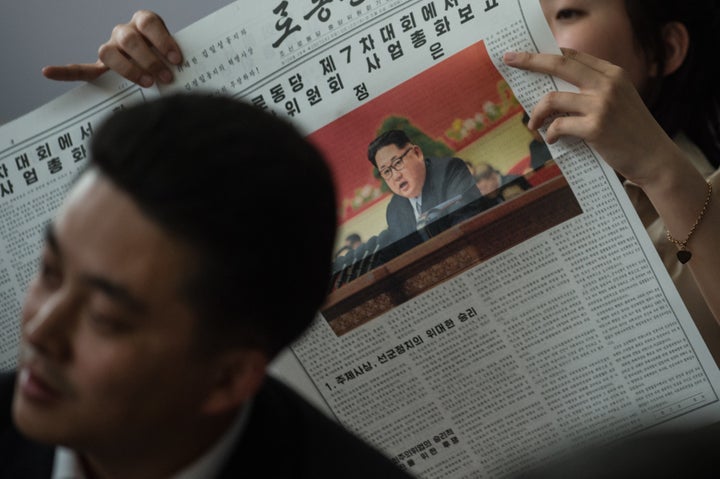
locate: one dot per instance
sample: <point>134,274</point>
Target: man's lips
<point>36,388</point>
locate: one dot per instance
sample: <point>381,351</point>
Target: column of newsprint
<point>40,154</point>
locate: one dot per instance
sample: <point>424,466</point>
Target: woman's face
<point>601,28</point>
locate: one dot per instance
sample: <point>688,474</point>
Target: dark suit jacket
<point>285,437</point>
<point>444,179</point>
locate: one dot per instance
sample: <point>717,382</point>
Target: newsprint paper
<point>507,325</point>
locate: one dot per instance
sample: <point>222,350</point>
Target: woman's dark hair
<point>687,100</point>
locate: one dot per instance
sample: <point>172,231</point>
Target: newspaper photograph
<point>466,149</point>
<point>516,310</point>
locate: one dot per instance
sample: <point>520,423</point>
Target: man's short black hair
<point>484,171</point>
<point>230,180</point>
<point>391,137</point>
<point>353,238</point>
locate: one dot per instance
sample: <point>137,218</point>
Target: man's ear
<point>237,376</point>
<point>419,151</point>
<point>676,41</point>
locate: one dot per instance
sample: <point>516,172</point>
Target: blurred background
<point>35,33</point>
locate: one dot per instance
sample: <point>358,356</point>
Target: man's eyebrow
<point>392,160</point>
<point>116,292</point>
<point>113,290</point>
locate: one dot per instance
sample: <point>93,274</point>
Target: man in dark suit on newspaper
<point>160,300</point>
<point>429,194</point>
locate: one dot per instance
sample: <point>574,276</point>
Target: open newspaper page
<point>40,154</point>
<point>524,310</point>
<point>501,328</point>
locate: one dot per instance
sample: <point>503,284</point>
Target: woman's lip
<point>34,388</point>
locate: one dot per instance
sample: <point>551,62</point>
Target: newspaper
<point>488,341</point>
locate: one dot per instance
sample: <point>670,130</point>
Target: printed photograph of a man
<point>435,176</point>
<point>425,189</point>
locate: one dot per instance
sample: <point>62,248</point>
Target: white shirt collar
<point>414,202</point>
<point>67,463</point>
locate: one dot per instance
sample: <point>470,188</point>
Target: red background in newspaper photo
<point>462,87</point>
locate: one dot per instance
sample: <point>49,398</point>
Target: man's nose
<point>393,172</point>
<point>49,326</point>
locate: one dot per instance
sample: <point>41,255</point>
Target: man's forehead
<point>102,232</point>
<point>94,196</point>
<point>80,185</point>
<point>387,154</point>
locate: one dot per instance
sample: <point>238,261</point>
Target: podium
<point>449,253</point>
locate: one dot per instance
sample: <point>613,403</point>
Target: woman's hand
<point>137,50</point>
<point>607,112</point>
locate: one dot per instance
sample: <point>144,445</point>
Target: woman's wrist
<point>668,172</point>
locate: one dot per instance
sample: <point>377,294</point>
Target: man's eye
<point>49,273</point>
<point>107,323</point>
<point>568,14</point>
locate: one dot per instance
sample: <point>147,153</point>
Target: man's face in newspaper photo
<point>403,169</point>
<point>600,28</point>
<point>108,354</point>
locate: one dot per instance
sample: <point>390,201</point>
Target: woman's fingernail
<point>174,57</point>
<point>165,76</point>
<point>509,57</point>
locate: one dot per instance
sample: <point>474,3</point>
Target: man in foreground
<point>162,294</point>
